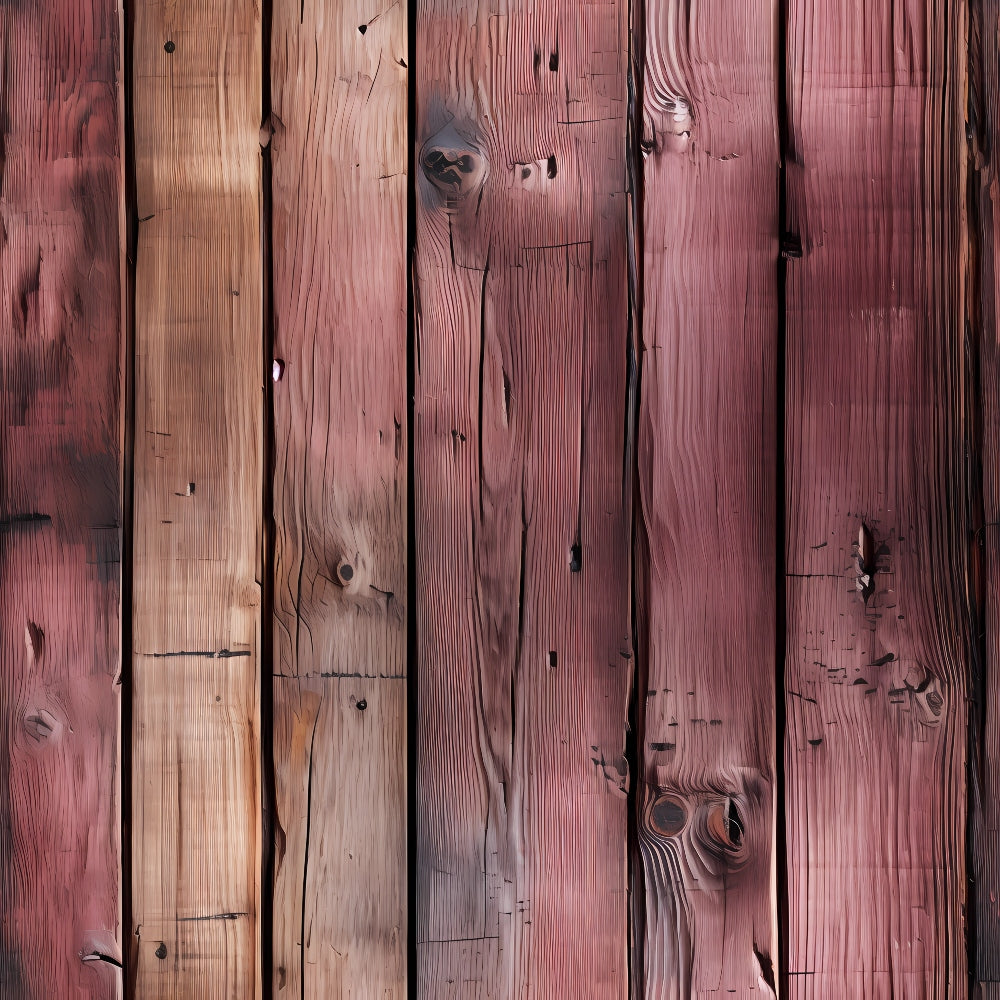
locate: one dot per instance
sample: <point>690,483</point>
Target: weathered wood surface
<point>60,504</point>
<point>876,674</point>
<point>984,323</point>
<point>197,514</point>
<point>706,469</point>
<point>338,153</point>
<point>522,496</point>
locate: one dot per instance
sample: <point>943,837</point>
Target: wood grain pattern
<point>60,503</point>
<point>198,488</point>
<point>339,184</point>
<point>984,354</point>
<point>707,446</point>
<point>877,655</point>
<point>522,496</point>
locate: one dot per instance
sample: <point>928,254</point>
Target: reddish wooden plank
<point>707,446</point>
<point>339,185</point>
<point>196,809</point>
<point>60,507</point>
<point>984,133</point>
<point>522,495</point>
<point>877,655</point>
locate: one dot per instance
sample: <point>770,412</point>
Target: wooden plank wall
<point>575,420</point>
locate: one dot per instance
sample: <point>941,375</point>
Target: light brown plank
<point>522,494</point>
<point>877,656</point>
<point>197,516</point>
<point>339,255</point>
<point>61,212</point>
<point>707,475</point>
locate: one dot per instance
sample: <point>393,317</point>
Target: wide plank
<point>196,810</point>
<point>707,478</point>
<point>876,676</point>
<point>522,494</point>
<point>339,368</point>
<point>61,221</point>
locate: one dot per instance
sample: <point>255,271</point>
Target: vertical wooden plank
<point>707,445</point>
<point>522,494</point>
<point>60,499</point>
<point>339,184</point>
<point>984,302</point>
<point>198,413</point>
<point>877,652</point>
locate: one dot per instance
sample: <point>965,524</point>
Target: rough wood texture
<point>338,152</point>
<point>984,316</point>
<point>60,506</point>
<point>876,548</point>
<point>707,444</point>
<point>198,412</point>
<point>522,494</point>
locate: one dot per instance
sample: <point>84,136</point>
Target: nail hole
<point>668,816</point>
<point>168,48</point>
<point>552,658</point>
<point>575,558</point>
<point>362,28</point>
<point>347,572</point>
<point>551,168</point>
<point>362,705</point>
<point>554,61</point>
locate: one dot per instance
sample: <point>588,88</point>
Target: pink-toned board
<point>522,500</point>
<point>877,532</point>
<point>338,152</point>
<point>60,506</point>
<point>984,357</point>
<point>707,479</point>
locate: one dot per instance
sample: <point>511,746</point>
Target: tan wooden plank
<point>61,212</point>
<point>877,655</point>
<point>707,475</point>
<point>197,514</point>
<point>522,500</point>
<point>339,186</point>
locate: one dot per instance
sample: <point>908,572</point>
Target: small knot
<point>161,952</point>
<point>169,47</point>
<point>668,816</point>
<point>361,705</point>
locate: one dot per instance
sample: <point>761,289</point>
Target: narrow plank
<point>877,651</point>
<point>984,303</point>
<point>197,514</point>
<point>61,212</point>
<point>522,496</point>
<point>339,184</point>
<point>707,473</point>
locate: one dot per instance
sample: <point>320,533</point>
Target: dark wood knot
<point>452,164</point>
<point>668,816</point>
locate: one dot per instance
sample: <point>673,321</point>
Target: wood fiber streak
<point>197,514</point>
<point>522,496</point>
<point>60,499</point>
<point>984,310</point>
<point>338,154</point>
<point>877,645</point>
<point>707,473</point>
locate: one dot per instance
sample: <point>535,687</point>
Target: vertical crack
<point>630,497</point>
<point>786,153</point>
<point>130,944</point>
<point>266,653</point>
